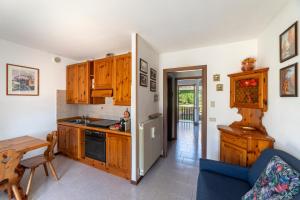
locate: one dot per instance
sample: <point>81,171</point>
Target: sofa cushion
<point>263,160</point>
<point>214,186</point>
<point>278,181</point>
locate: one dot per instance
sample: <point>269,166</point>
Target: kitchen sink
<point>78,121</point>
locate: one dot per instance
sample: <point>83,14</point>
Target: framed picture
<point>288,43</point>
<point>219,87</point>
<point>143,66</point>
<point>22,81</point>
<point>143,80</point>
<point>152,86</point>
<point>289,81</point>
<point>153,74</point>
<point>216,77</point>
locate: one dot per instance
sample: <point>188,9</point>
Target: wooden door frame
<point>204,106</point>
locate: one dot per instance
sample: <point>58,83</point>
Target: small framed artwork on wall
<point>289,43</point>
<point>289,81</point>
<point>22,81</point>
<point>152,86</point>
<point>143,80</point>
<point>143,66</point>
<point>153,74</point>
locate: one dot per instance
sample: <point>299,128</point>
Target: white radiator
<point>150,143</point>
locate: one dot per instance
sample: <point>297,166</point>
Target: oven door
<point>95,148</point>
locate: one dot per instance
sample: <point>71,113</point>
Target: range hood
<point>102,93</point>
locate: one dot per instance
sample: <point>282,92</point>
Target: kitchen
<point>94,114</point>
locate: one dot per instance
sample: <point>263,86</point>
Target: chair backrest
<point>9,160</point>
<point>262,162</point>
<point>52,139</point>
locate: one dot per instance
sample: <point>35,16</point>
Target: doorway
<point>184,107</point>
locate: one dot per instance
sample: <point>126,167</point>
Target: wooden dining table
<point>22,145</point>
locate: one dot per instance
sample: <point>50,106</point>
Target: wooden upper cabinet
<point>249,89</point>
<point>78,83</point>
<point>83,80</point>
<point>72,83</point>
<point>103,73</point>
<point>122,80</point>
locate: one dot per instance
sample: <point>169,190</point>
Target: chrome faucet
<point>84,118</point>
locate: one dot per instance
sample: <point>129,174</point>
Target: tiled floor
<point>172,178</point>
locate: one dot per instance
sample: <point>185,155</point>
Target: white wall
<point>34,115</point>
<point>146,104</point>
<point>221,59</point>
<point>142,100</point>
<point>133,108</point>
<point>283,117</point>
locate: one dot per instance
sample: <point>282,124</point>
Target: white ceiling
<point>82,29</point>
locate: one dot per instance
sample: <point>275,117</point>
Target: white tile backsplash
<point>64,110</point>
<point>105,111</point>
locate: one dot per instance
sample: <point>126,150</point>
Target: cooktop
<point>103,123</point>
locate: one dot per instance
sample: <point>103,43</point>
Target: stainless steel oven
<point>95,147</point>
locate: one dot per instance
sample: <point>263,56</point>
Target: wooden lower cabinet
<point>242,148</point>
<point>233,154</point>
<point>118,155</point>
<point>69,141</point>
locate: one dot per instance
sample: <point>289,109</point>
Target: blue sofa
<point>221,181</point>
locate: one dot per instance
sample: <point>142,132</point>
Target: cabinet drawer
<point>241,142</point>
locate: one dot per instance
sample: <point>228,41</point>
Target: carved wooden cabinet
<point>249,89</point>
<point>242,147</point>
<point>243,141</point>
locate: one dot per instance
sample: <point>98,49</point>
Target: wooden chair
<point>46,158</point>
<point>9,161</point>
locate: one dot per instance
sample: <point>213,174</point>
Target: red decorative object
<point>248,82</point>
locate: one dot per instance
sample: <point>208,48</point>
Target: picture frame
<point>289,81</point>
<point>219,87</point>
<point>22,80</point>
<point>143,80</point>
<point>152,86</point>
<point>216,77</point>
<point>153,74</point>
<point>143,66</point>
<point>288,43</point>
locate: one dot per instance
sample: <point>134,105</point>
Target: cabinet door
<point>103,73</point>
<point>122,80</point>
<point>233,154</point>
<point>73,142</point>
<point>62,132</point>
<point>72,84</point>
<point>83,80</point>
<point>118,155</point>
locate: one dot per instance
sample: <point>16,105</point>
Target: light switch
<point>153,132</point>
<point>212,104</point>
<point>212,119</point>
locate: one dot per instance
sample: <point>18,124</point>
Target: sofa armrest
<point>234,171</point>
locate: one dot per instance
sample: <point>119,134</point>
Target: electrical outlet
<point>212,104</point>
